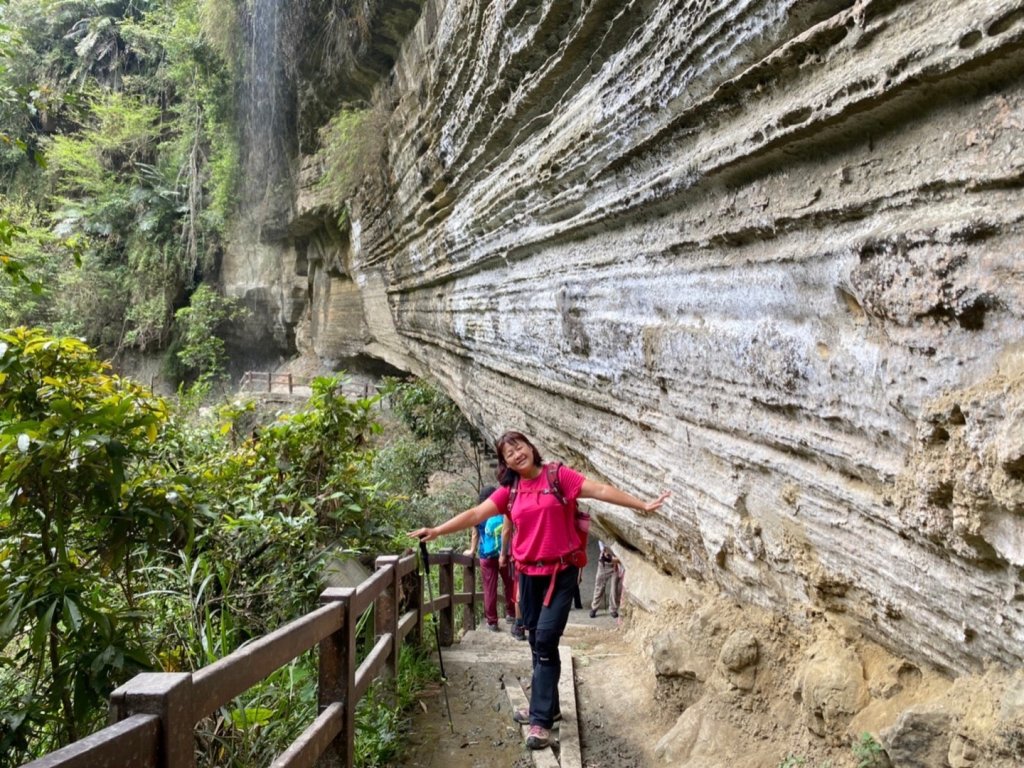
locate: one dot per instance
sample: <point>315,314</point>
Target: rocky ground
<point>645,698</point>
<point>618,725</point>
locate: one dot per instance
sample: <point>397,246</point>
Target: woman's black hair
<point>508,476</point>
<point>485,493</point>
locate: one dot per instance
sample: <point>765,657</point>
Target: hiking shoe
<point>493,628</point>
<point>510,619</point>
<point>518,633</point>
<point>593,613</point>
<point>615,614</point>
<point>538,737</point>
<point>522,716</point>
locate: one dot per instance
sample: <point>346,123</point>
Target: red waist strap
<point>560,564</point>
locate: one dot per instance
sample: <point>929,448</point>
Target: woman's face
<point>518,456</point>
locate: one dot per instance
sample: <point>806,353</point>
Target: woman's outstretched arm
<point>612,495</point>
<point>460,522</point>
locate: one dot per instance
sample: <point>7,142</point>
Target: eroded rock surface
<point>766,255</point>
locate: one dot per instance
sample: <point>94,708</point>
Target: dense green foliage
<point>439,436</point>
<point>350,144</point>
<point>200,353</point>
<point>118,166</point>
<point>138,533</point>
<point>138,536</point>
<point>85,505</point>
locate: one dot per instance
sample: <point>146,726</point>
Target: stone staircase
<point>499,650</point>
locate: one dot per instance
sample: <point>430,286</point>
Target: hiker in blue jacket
<point>486,542</point>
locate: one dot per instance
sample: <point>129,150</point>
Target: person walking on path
<point>548,551</point>
<point>488,543</point>
<point>606,583</point>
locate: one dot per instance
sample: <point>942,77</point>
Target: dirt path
<point>618,728</point>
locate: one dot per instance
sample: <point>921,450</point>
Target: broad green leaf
<point>73,614</point>
<point>12,619</point>
<point>251,717</point>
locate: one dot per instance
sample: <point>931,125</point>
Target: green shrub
<point>349,146</point>
<point>137,537</point>
<point>201,351</point>
<point>86,505</point>
<point>869,753</point>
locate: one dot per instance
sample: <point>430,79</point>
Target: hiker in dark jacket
<point>547,549</point>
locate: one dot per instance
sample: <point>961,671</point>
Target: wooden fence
<point>153,716</point>
<point>265,381</point>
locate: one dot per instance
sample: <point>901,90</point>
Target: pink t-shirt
<point>544,529</point>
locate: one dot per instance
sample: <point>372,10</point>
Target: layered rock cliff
<point>764,254</point>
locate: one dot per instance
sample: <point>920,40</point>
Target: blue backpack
<point>490,536</point>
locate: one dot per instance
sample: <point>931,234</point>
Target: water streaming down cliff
<point>301,61</point>
<point>267,120</point>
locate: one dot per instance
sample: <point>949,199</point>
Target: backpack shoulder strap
<point>551,470</point>
<point>512,491</point>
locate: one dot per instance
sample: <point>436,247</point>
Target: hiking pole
<point>437,632</point>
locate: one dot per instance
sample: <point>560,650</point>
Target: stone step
<point>501,650</point>
<point>569,754</point>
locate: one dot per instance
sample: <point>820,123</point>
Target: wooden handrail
<point>306,750</point>
<point>129,742</point>
<point>237,672</point>
<point>154,714</point>
<point>265,381</point>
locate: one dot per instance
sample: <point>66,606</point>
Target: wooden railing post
<point>337,680</point>
<point>386,612</point>
<point>168,695</point>
<point>469,585</point>
<point>289,383</point>
<point>270,382</point>
<point>446,586</point>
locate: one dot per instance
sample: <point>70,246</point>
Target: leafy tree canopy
<point>116,120</point>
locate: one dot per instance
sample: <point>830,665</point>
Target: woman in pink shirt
<point>544,547</point>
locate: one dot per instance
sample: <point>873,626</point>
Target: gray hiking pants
<point>607,581</point>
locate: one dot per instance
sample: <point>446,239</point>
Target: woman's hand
<point>650,506</point>
<point>424,534</point>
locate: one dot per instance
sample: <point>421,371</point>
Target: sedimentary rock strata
<point>766,255</point>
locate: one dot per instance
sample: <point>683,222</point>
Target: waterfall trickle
<point>266,111</point>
